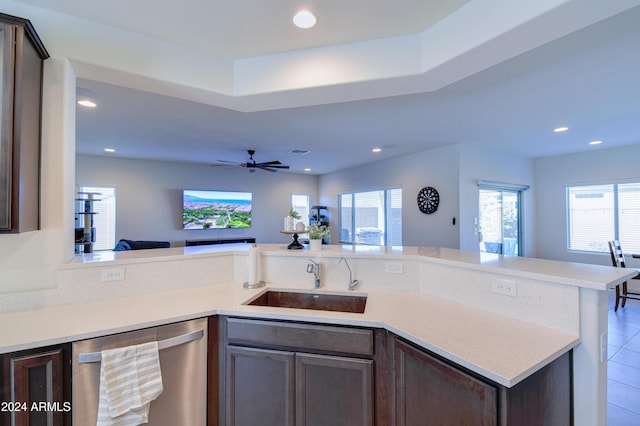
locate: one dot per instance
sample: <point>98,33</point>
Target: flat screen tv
<point>216,209</point>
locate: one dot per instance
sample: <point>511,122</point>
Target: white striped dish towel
<point>130,378</point>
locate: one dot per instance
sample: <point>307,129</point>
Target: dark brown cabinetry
<point>259,387</point>
<point>333,390</point>
<point>289,373</point>
<point>430,391</point>
<point>280,373</point>
<point>36,387</point>
<point>21,57</point>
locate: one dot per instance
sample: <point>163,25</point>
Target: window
<point>105,219</point>
<point>300,203</point>
<point>372,217</point>
<point>600,213</point>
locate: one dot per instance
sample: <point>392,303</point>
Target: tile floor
<point>623,387</point>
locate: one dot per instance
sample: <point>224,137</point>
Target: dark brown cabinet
<point>333,390</point>
<point>260,387</point>
<point>279,373</point>
<point>21,58</point>
<point>430,391</point>
<point>36,387</point>
<point>289,373</point>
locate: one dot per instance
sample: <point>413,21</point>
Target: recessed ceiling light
<point>110,150</point>
<point>307,169</point>
<point>560,129</point>
<point>376,150</point>
<point>304,19</point>
<point>595,142</point>
<point>87,103</point>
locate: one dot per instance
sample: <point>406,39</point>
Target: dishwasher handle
<point>163,344</point>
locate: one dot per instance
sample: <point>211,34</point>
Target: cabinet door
<point>259,387</point>
<point>430,392</point>
<point>36,383</point>
<point>333,391</point>
<point>21,57</point>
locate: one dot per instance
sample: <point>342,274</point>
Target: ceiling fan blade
<point>272,168</point>
<point>227,161</point>
<point>269,163</point>
<point>224,165</point>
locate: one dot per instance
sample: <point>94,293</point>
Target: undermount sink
<point>317,301</point>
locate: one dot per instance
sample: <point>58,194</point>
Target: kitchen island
<point>449,302</point>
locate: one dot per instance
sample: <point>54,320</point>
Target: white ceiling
<point>247,28</point>
<point>588,79</point>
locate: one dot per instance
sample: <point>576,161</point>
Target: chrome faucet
<point>352,283</point>
<point>315,269</point>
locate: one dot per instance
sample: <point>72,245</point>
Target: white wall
<point>30,260</point>
<point>149,196</point>
<point>454,171</point>
<point>552,176</point>
<point>437,168</point>
<point>155,187</point>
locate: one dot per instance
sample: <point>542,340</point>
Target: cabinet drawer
<point>292,335</point>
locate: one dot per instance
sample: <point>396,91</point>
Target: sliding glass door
<point>499,223</point>
<point>371,217</point>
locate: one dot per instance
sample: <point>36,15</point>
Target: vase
<point>315,245</point>
<point>288,223</point>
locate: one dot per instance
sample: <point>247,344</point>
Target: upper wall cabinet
<point>21,58</point>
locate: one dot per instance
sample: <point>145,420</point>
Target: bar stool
<point>617,258</point>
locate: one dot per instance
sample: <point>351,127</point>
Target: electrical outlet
<point>506,287</point>
<point>113,274</point>
<point>604,347</point>
<point>393,267</point>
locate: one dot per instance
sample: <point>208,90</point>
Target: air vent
<point>299,151</point>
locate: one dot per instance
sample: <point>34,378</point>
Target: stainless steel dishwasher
<point>183,362</point>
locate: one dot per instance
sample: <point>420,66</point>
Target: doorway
<point>500,221</point>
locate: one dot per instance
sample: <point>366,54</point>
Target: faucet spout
<point>315,269</point>
<point>352,283</point>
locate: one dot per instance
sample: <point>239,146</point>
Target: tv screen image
<point>216,209</point>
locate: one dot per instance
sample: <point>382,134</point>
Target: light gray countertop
<point>500,348</point>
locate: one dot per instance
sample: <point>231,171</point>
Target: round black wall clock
<point>428,200</point>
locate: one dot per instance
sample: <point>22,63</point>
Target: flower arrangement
<point>318,232</point>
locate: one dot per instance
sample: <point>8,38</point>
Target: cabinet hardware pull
<point>163,344</point>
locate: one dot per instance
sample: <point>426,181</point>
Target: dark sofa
<point>124,245</point>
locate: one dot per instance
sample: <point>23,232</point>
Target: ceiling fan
<point>252,165</point>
